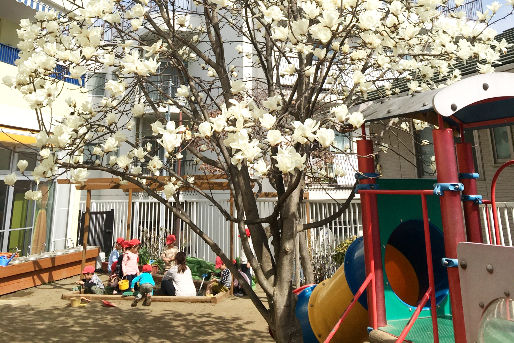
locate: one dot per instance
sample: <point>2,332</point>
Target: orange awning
<point>15,136</point>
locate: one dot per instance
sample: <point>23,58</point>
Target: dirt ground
<point>40,315</point>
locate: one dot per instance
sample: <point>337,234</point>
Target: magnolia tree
<point>263,87</point>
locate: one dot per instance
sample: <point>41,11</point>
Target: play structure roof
<point>493,109</point>
<point>479,101</point>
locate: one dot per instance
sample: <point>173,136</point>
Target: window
<point>342,143</point>
<point>5,159</point>
<point>164,83</point>
<point>424,152</point>
<point>469,137</point>
<point>503,148</point>
<point>96,84</point>
<point>30,157</point>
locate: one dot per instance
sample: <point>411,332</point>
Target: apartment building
<point>31,226</point>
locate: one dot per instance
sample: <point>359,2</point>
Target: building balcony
<point>9,55</point>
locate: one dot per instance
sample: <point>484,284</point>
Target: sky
<point>506,8</point>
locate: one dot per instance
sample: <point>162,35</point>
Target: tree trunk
<point>287,328</point>
<point>306,258</point>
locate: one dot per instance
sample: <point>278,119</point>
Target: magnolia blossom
<point>267,120</point>
<point>155,165</point>
<point>340,112</point>
<point>79,175</point>
<point>33,195</point>
<point>22,165</point>
<point>356,119</point>
<point>289,159</point>
<point>237,86</point>
<point>183,91</point>
<point>305,132</point>
<point>274,137</point>
<point>171,188</point>
<point>123,161</point>
<point>260,167</point>
<point>325,137</point>
<point>205,129</point>
<point>10,179</point>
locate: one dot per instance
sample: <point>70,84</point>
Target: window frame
<point>510,138</point>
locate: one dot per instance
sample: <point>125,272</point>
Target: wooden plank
<point>156,298</point>
<point>44,263</point>
<point>16,282</point>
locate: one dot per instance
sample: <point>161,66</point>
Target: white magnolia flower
<point>267,121</point>
<point>33,195</point>
<point>325,137</point>
<point>260,167</point>
<point>170,189</point>
<point>274,137</point>
<point>340,112</point>
<point>8,81</point>
<point>79,175</point>
<point>356,119</point>
<point>183,91</point>
<point>155,165</point>
<point>22,165</point>
<point>111,144</point>
<point>237,86</point>
<point>138,110</point>
<point>10,179</point>
<point>123,161</point>
<point>205,129</point>
<point>219,123</point>
<point>288,159</point>
<point>45,153</point>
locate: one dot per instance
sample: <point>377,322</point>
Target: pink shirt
<point>129,264</point>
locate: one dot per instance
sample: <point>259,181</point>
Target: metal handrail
<point>9,55</point>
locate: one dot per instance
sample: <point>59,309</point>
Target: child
<point>91,282</point>
<point>168,255</point>
<point>130,258</point>
<point>114,279</point>
<point>225,281</point>
<point>115,253</point>
<point>146,284</point>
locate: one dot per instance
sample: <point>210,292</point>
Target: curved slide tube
<point>320,306</point>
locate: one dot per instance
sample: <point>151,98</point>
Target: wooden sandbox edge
<point>156,298</point>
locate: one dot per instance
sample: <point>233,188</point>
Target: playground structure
<point>401,279</point>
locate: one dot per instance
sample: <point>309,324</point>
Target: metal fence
<point>505,212</point>
<point>152,219</point>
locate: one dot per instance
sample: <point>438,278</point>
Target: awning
<point>36,5</point>
<point>16,136</point>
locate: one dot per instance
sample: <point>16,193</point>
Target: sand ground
<point>40,315</point>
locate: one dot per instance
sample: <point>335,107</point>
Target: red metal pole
<point>493,199</point>
<point>398,192</point>
<point>430,267</point>
<point>415,316</point>
<point>453,222</point>
<point>471,209</point>
<point>371,233</point>
<point>347,310</point>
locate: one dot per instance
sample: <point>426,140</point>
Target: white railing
<point>505,211</point>
<point>152,218</point>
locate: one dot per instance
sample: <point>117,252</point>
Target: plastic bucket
<point>123,285</point>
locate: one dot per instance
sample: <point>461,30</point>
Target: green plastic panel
<point>421,331</point>
<point>392,211</point>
